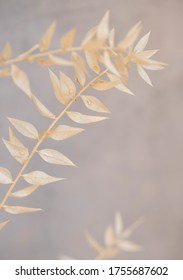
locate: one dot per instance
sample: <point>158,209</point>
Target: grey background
<point>131,163</point>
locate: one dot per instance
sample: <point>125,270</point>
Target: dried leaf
<point>59,61</point>
<point>67,86</point>
<point>45,62</point>
<point>131,37</point>
<point>61,97</point>
<point>20,153</point>
<point>19,209</point>
<point>93,45</point>
<point>3,224</point>
<point>103,27</point>
<point>94,104</point>
<point>39,178</point>
<point>127,232</point>
<point>143,75</point>
<point>27,55</point>
<point>92,60</point>
<point>128,246</point>
<point>6,72</point>
<point>118,224</point>
<point>83,119</point>
<point>67,40</point>
<point>42,108</point>
<point>5,176</point>
<point>111,38</point>
<point>89,35</point>
<point>109,237</point>
<point>21,79</point>
<point>142,43</point>
<point>25,128</point>
<point>120,86</point>
<point>25,191</point>
<point>5,54</point>
<point>14,140</point>
<point>153,66</point>
<point>46,38</point>
<point>108,63</point>
<point>105,85</point>
<point>108,253</point>
<point>62,132</point>
<point>54,157</point>
<point>93,243</point>
<point>79,68</point>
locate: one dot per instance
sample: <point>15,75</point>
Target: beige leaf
<point>6,72</point>
<point>3,224</point>
<point>61,97</point>
<point>111,38</point>
<point>5,176</point>
<point>143,75</point>
<point>39,178</point>
<point>146,54</point>
<point>27,55</point>
<point>6,52</point>
<point>103,27</point>
<point>128,246</point>
<point>45,62</point>
<point>93,45</point>
<point>120,86</point>
<point>105,85</point>
<point>14,140</point>
<point>19,209</point>
<point>67,40</point>
<point>131,37</point>
<point>60,61</point>
<point>93,243</point>
<point>83,119</point>
<point>118,224</point>
<point>79,68</point>
<point>46,38</point>
<point>89,35</point>
<point>42,108</point>
<point>94,104</point>
<point>67,86</point>
<point>62,132</point>
<point>25,128</point>
<point>92,60</point>
<point>142,43</point>
<point>108,63</point>
<point>21,79</point>
<point>127,232</point>
<point>19,152</point>
<point>109,237</point>
<point>108,253</point>
<point>25,191</point>
<point>153,66</point>
<point>54,157</point>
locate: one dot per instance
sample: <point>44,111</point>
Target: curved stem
<point>44,135</point>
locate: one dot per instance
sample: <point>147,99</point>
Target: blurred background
<point>131,163</point>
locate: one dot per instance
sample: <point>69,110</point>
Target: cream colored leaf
<point>111,38</point>
<point>127,232</point>
<point>60,61</point>
<point>19,209</point>
<point>143,75</point>
<point>42,108</point>
<point>3,224</point>
<point>142,43</point>
<point>146,54</point>
<point>108,253</point>
<point>128,246</point>
<point>67,40</point>
<point>92,60</point>
<point>39,178</point>
<point>89,35</point>
<point>105,85</point>
<point>61,97</point>
<point>62,132</point>
<point>45,62</point>
<point>109,237</point>
<point>94,104</point>
<point>6,72</point>
<point>108,63</point>
<point>13,139</point>
<point>54,157</point>
<point>93,45</point>
<point>118,224</point>
<point>79,68</point>
<point>120,86</point>
<point>153,66</point>
<point>21,79</point>
<point>5,176</point>
<point>27,55</point>
<point>93,243</point>
<point>46,38</point>
<point>67,86</point>
<point>103,27</point>
<point>131,37</point>
<point>6,52</point>
<point>83,119</point>
<point>25,191</point>
<point>20,153</point>
<point>25,128</point>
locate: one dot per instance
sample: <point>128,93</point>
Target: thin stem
<point>44,135</point>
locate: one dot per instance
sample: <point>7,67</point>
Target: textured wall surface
<point>132,163</point>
